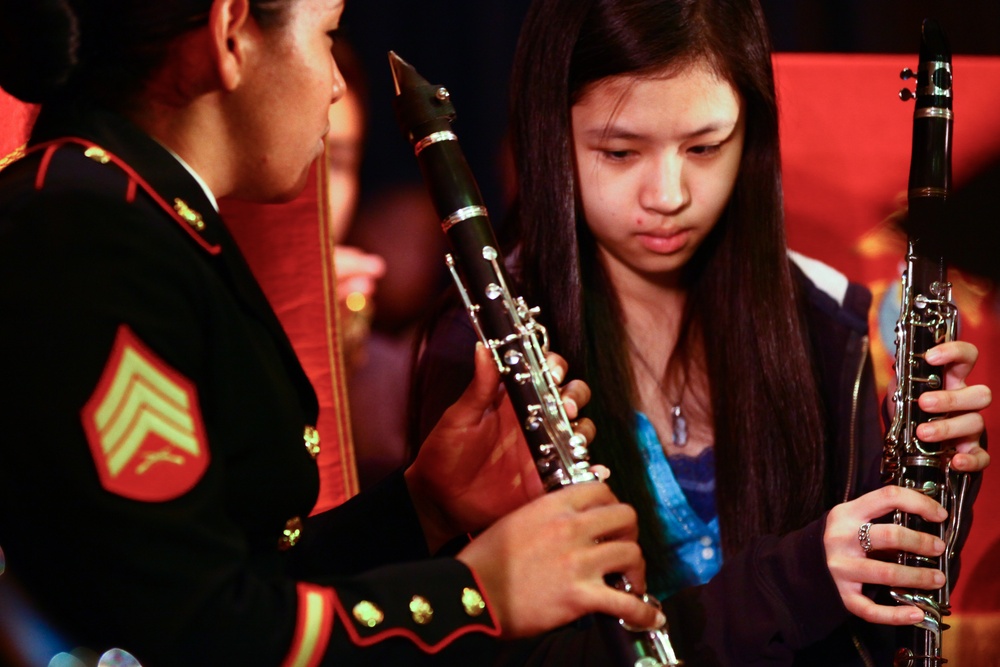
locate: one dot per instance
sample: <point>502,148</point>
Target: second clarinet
<point>503,321</point>
<point>927,318</point>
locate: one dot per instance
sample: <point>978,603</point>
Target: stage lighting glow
<point>118,658</point>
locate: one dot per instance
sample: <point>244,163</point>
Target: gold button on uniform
<point>311,438</point>
<point>473,602</point>
<point>367,614</point>
<point>291,534</point>
<point>421,610</point>
<point>188,214</point>
<point>97,155</point>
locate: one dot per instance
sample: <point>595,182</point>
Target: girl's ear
<point>231,28</point>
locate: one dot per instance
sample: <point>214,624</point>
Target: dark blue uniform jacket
<point>157,459</point>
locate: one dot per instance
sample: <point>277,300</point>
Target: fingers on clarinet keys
<point>623,584</point>
<point>932,611</point>
<point>652,602</point>
<point>864,536</point>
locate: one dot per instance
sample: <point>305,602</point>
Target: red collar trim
<point>50,147</point>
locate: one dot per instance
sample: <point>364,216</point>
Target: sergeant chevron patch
<point>144,426</point>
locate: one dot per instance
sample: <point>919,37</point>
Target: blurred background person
<point>388,266</point>
<point>357,271</point>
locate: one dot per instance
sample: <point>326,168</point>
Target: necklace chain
<point>678,422</point>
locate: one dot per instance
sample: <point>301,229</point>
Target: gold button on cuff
<point>421,610</point>
<point>290,536</point>
<point>473,602</point>
<point>189,215</point>
<point>311,438</point>
<point>367,614</point>
<point>97,154</point>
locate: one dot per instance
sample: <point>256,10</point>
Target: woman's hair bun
<point>38,47</point>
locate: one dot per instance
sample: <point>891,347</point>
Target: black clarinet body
<point>504,322</point>
<point>927,318</point>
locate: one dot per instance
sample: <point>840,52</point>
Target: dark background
<point>468,45</point>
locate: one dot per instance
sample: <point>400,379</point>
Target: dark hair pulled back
<point>101,49</point>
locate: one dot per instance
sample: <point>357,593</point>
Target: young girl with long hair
<point>733,394</point>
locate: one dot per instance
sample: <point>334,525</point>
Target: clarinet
<point>927,318</point>
<point>505,324</point>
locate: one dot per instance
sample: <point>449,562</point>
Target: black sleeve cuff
<point>375,528</point>
<point>400,613</point>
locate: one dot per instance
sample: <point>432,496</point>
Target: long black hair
<point>104,50</point>
<point>769,433</point>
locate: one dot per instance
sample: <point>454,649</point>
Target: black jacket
<point>775,603</point>
<point>156,467</point>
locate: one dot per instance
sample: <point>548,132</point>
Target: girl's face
<point>656,161</point>
<point>284,107</point>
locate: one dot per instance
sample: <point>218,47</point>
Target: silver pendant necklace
<point>679,426</point>
<point>678,422</point>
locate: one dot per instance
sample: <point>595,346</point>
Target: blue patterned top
<point>695,540</point>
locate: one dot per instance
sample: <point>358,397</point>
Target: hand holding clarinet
<point>936,426</point>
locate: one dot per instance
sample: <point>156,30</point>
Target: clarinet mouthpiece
<point>933,43</point>
<point>404,76</point>
<point>421,107</point>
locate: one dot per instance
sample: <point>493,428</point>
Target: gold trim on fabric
<point>338,378</point>
<point>13,156</point>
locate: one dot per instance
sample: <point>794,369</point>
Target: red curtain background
<point>15,121</point>
<point>290,250</point>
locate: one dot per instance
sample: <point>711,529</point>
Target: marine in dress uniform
<point>158,456</point>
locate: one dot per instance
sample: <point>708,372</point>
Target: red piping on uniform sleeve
<point>486,599</point>
<point>43,167</point>
<point>313,625</point>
